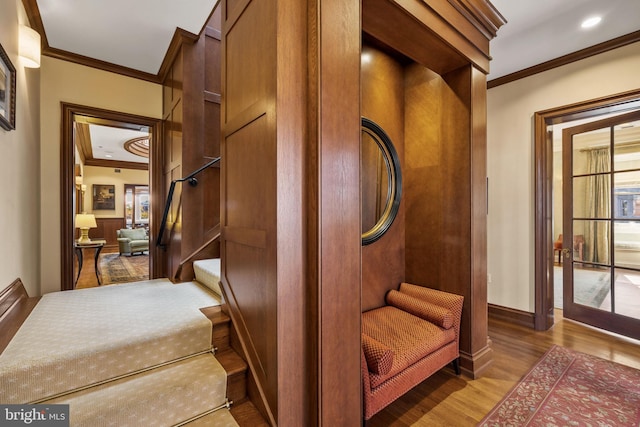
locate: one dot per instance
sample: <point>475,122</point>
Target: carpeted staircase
<point>131,355</point>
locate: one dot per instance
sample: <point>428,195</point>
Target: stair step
<point>220,324</point>
<point>236,369</point>
<point>163,396</point>
<point>246,415</point>
<point>207,272</point>
<point>220,418</point>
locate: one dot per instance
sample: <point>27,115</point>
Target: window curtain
<point>598,206</point>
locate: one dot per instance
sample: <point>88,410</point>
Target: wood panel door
<point>601,224</point>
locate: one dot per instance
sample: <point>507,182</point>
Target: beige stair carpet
<point>164,396</point>
<point>82,337</point>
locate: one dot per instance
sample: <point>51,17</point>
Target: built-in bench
<point>415,335</point>
<point>15,306</point>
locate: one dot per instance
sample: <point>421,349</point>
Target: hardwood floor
<point>87,277</point>
<point>447,400</point>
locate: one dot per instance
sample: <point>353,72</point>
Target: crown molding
<point>180,36</point>
<point>567,59</point>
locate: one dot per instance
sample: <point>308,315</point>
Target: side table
<point>97,245</point>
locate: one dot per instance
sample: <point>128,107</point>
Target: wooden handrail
<point>216,236</point>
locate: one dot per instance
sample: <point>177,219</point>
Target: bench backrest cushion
<point>438,315</point>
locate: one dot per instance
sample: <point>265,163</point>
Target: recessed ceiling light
<point>365,58</point>
<point>108,156</point>
<point>591,22</point>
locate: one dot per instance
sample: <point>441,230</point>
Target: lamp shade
<point>86,221</point>
<point>29,47</point>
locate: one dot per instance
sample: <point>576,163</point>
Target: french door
<point>601,224</point>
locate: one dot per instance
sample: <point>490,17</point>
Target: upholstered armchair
<point>132,240</point>
<point>415,335</point>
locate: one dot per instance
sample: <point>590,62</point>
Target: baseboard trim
<point>473,365</point>
<point>523,318</point>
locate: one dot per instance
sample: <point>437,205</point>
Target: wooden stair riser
<point>220,336</point>
<point>228,353</point>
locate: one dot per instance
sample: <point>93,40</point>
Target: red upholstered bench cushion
<point>409,337</point>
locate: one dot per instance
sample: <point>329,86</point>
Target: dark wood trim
<point>83,142</point>
<point>473,365</point>
<point>179,38</point>
<point>543,170</point>
<point>512,315</point>
<point>98,64</point>
<point>15,306</point>
<point>543,150</point>
<point>196,254</point>
<point>566,59</point>
<point>67,182</point>
<point>117,164</point>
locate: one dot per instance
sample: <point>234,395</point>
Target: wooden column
<point>290,203</point>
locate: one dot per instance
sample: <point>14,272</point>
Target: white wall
<point>510,160</point>
<point>76,84</point>
<point>20,171</point>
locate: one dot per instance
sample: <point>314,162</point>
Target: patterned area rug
<point>569,388</point>
<point>121,268</point>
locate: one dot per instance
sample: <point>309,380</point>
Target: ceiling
<point>542,30</point>
<point>137,34</point>
<point>133,34</point>
<point>102,142</point>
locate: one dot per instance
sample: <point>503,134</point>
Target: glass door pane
<point>601,222</point>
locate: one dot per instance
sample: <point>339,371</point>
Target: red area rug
<point>569,388</point>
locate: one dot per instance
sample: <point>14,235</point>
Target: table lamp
<point>84,222</point>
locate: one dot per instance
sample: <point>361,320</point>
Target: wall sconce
<point>29,47</point>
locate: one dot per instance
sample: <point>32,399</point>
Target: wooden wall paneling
<point>410,36</point>
<point>481,355</point>
<point>423,176</point>
<point>172,115</point>
<point>469,86</point>
<point>212,129</point>
<point>444,147</point>
<point>248,193</point>
<point>296,342</point>
<point>383,262</point>
<point>335,50</point>
<point>446,229</point>
<point>106,230</point>
<point>192,145</point>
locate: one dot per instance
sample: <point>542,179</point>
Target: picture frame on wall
<point>7,92</point>
<point>104,197</point>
